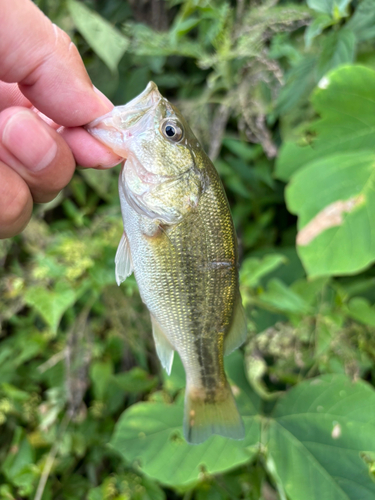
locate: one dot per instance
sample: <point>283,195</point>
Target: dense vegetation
<point>282,96</point>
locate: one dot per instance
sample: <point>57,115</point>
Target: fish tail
<point>206,416</point>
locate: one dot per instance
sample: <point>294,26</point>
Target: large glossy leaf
<point>321,436</point>
<point>332,179</point>
<point>337,49</point>
<point>151,434</point>
<point>333,198</point>
<point>345,102</point>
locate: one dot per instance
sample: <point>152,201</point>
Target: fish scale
<point>180,241</point>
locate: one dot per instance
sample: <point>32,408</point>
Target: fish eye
<point>172,131</point>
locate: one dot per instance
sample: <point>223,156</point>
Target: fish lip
<point>149,97</point>
<point>115,128</point>
<point>141,104</point>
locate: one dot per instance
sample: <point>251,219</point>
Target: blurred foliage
<point>85,410</point>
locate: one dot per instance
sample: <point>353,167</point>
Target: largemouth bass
<point>180,241</point>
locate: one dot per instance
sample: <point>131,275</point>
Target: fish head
<point>161,177</point>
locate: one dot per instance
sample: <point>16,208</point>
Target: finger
<point>16,203</point>
<point>47,66</point>
<point>87,151</point>
<point>10,95</point>
<point>36,152</point>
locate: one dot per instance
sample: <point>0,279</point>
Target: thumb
<point>36,152</point>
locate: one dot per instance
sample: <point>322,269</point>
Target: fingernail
<point>111,164</point>
<point>27,139</point>
<point>103,98</point>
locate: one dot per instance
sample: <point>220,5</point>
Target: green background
<point>282,97</point>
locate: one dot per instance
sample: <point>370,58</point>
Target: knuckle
<point>61,37</point>
<point>56,43</point>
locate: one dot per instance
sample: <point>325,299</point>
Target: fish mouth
<point>119,125</point>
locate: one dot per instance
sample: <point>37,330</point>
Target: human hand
<point>42,75</point>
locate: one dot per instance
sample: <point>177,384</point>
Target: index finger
<point>45,63</point>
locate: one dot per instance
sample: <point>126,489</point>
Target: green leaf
<point>319,24</point>
<point>336,8</point>
<point>177,379</point>
<point>14,393</point>
<point>309,290</point>
<point>151,434</point>
<point>288,162</point>
<point>300,81</point>
<point>333,199</point>
<point>362,23</point>
<point>282,298</point>
<point>101,374</point>
<point>252,269</point>
<point>128,486</point>
<point>20,455</point>
<point>331,189</point>
<point>244,150</point>
<point>105,40</point>
<point>51,304</point>
<point>317,436</point>
<point>135,381</point>
<point>361,310</point>
<point>182,27</point>
<point>338,48</point>
<point>345,102</point>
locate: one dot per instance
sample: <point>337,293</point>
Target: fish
<point>180,242</point>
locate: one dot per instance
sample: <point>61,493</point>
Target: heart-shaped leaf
<point>332,180</point>
<point>151,434</point>
<point>320,438</point>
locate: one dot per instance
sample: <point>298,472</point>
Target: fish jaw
<point>119,126</point>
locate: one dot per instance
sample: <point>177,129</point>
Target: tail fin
<point>202,418</point>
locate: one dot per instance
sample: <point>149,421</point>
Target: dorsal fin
<point>164,348</point>
<point>238,331</point>
<point>123,260</point>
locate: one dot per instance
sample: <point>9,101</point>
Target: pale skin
<point>46,96</point>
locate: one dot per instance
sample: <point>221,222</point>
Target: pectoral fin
<point>238,330</point>
<point>123,260</point>
<point>164,348</point>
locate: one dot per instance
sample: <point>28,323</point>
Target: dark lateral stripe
<point>210,370</point>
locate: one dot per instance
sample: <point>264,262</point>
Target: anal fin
<point>164,348</point>
<point>238,330</point>
<point>123,260</point>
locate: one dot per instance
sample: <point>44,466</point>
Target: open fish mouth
<point>119,125</point>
